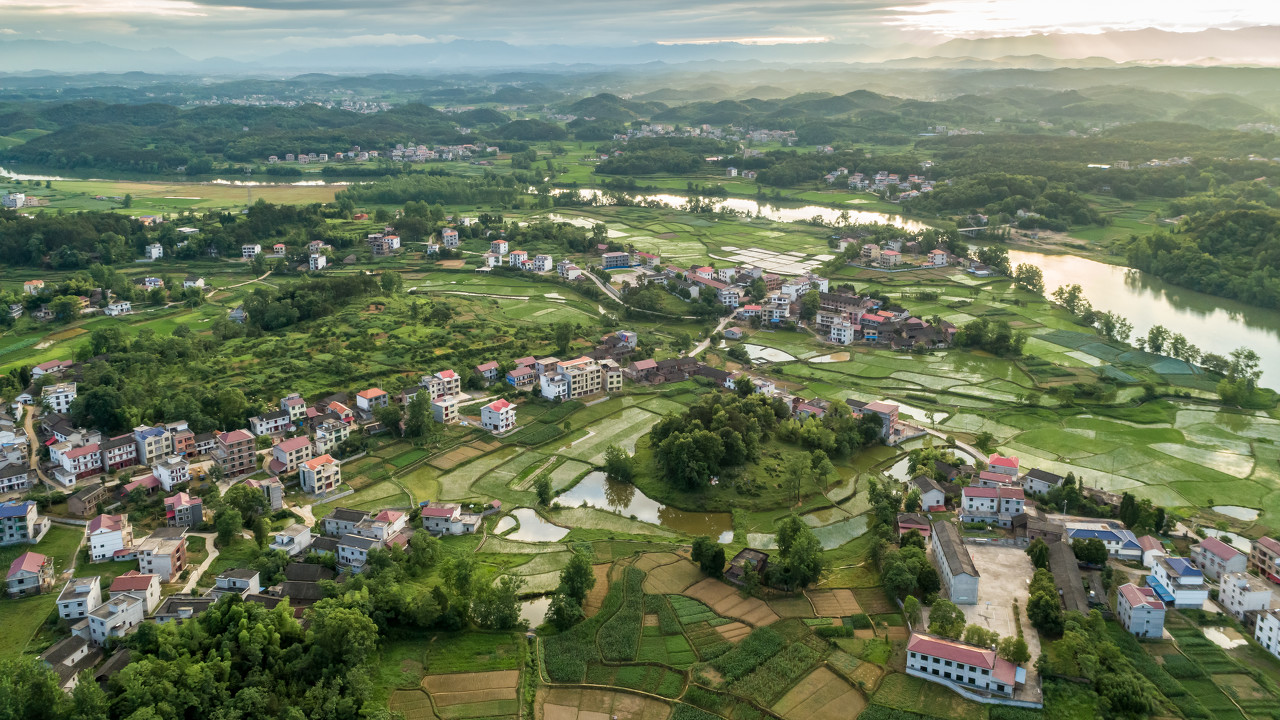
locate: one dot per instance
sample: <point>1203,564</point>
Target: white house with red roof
<point>488,371</point>
<point>991,479</point>
<point>1152,550</point>
<point>52,367</point>
<point>449,519</point>
<point>706,273</point>
<point>29,574</point>
<point>498,416</point>
<point>142,585</point>
<point>1140,611</point>
<point>1004,465</point>
<point>996,506</point>
<point>962,667</point>
<point>110,536</point>
<point>1217,558</point>
<point>320,475</point>
<point>289,454</point>
<point>367,400</point>
<point>442,384</point>
<point>79,463</point>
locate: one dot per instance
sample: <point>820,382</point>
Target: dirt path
<point>28,423</point>
<point>707,342</point>
<point>213,553</point>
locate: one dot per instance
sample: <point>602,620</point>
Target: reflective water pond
<point>597,490</point>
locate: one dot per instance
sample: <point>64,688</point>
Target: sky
<point>255,28</point>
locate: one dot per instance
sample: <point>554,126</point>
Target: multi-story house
<point>932,497</point>
<point>1240,593</point>
<point>522,377</point>
<point>287,455</point>
<point>449,238</point>
<point>29,574</point>
<point>1175,580</point>
<point>75,463</point>
<point>613,375</point>
<point>329,435</point>
<point>116,617</point>
<point>498,247</point>
<point>1040,482</point>
<point>957,664</point>
<point>443,383</point>
<point>248,251</point>
<point>1140,611</point>
<point>85,502</point>
<point>445,409</point>
<point>488,371</point>
<point>955,566</point>
<point>320,475</point>
<point>1217,558</point>
<point>58,396</point>
<point>543,263</point>
<point>382,527</point>
<point>234,453</point>
<point>342,521</point>
<point>171,472</point>
<point>20,523</point>
<point>163,553</point>
<point>183,510</point>
<point>1267,631</point>
<point>353,551</point>
<point>998,463</point>
<point>991,505</point>
<point>79,597</point>
<point>183,440</point>
<point>135,583</point>
<point>449,520</point>
<point>153,443</point>
<point>236,581</point>
<point>317,261</point>
<point>573,379</point>
<point>367,400</point>
<point>1264,558</point>
<point>270,423</point>
<point>498,416</point>
<point>272,489</point>
<point>294,539</point>
<point>295,406</point>
<point>615,260</point>
<point>109,535</point>
<point>16,477</point>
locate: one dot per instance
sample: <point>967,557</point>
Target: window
<point>947,663</point>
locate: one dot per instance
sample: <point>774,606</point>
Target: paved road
<point>705,343</point>
<point>213,554</point>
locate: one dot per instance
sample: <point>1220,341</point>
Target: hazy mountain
<point>61,57</point>
<point>1255,45</point>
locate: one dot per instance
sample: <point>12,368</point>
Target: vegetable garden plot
<point>834,603</point>
<point>725,601</point>
<point>821,695</point>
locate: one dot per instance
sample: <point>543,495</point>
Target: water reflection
<point>597,490</point>
<point>534,528</point>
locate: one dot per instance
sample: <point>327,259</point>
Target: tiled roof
<point>294,444</point>
<point>316,463</point>
<point>991,492</point>
<point>939,647</point>
<point>132,580</point>
<point>371,393</point>
<point>106,522</point>
<point>1269,544</point>
<point>1141,596</point>
<point>499,405</point>
<point>1147,542</point>
<point>958,559</point>
<point>28,562</point>
<point>1216,547</point>
<point>236,436</point>
<point>1002,461</point>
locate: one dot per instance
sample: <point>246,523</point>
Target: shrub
<point>859,622</point>
<point>689,712</point>
<point>762,644</point>
<point>833,631</point>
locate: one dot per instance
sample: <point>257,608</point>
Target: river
<point>1211,323</point>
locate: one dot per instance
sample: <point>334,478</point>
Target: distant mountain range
<point>1249,46</point>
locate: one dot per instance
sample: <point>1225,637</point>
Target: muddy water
<point>599,491</point>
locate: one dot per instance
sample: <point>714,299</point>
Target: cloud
<point>386,39</point>
<point>8,31</point>
<point>1020,17</point>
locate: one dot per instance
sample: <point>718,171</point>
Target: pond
<point>598,491</point>
<point>534,610</point>
<point>777,213</point>
<point>535,528</point>
<point>1237,512</point>
<point>1212,324</point>
<point>505,523</point>
<point>760,352</point>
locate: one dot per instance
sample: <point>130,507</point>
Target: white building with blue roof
<point>1177,581</point>
<point>1121,543</point>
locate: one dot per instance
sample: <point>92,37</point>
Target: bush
<point>880,712</point>
<point>775,675</point>
<point>833,631</point>
<point>567,654</point>
<point>860,621</point>
<point>689,712</point>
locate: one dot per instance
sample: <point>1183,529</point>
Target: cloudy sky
<point>250,28</point>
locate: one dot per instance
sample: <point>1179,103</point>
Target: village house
<point>1240,593</point>
<point>1040,482</point>
<point>342,521</point>
<point>85,502</point>
<point>913,521</point>
<point>1217,558</point>
<point>164,553</point>
<point>1140,611</point>
<point>995,506</point>
<point>448,519</point>
<point>959,665</point>
<point>1120,543</point>
<point>248,251</point>
<point>241,582</point>
<point>1175,580</point>
<point>135,583</point>
<point>353,551</point>
<point>119,452</point>
<point>615,260</point>
<point>498,417</point>
<point>287,455</point>
<point>183,510</point>
<point>121,307</point>
<point>573,379</point>
<point>1264,558</point>
<point>171,472</point>
<point>20,523</point>
<point>1152,550</point>
<point>932,496</point>
<point>955,566</point>
<point>522,377</point>
<point>445,409</point>
<point>329,434</point>
<point>293,540</point>
<point>1267,631</point>
<point>449,238</point>
<point>79,597</point>
<point>234,453</point>
<point>116,617</point>
<point>488,371</point>
<point>109,536</point>
<point>192,281</point>
<point>272,491</point>
<point>29,574</point>
<point>58,396</point>
<point>756,560</point>
<point>445,382</point>
<point>320,475</point>
<point>367,400</point>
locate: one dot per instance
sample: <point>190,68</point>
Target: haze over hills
<point>1248,46</point>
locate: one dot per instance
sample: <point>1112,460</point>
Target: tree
<point>341,636</point>
<point>985,441</point>
<point>416,420</point>
<point>497,605</point>
<point>102,407</point>
<point>577,578</point>
<point>390,281</point>
<point>1014,649</point>
<point>1029,278</point>
<point>709,555</point>
<point>912,538</point>
<point>946,619</point>
<point>564,612</point>
<point>978,635</point>
<point>261,532</point>
<point>799,562</point>
<point>389,416</point>
<point>1091,551</point>
<point>1038,551</point>
<point>912,502</point>
<point>250,502</point>
<point>911,608</point>
<point>564,335</point>
<point>542,486</point>
<point>227,522</point>
<point>440,314</point>
<point>809,304</point>
<point>618,464</point>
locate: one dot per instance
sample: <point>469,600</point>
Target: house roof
<point>27,562</point>
<point>499,405</point>
<point>89,449</point>
<point>440,511</point>
<point>302,591</point>
<point>316,463</point>
<point>491,365</point>
<point>294,444</point>
<point>181,500</point>
<point>371,393</point>
<point>958,558</point>
<point>926,484</point>
<point>1181,567</point>
<point>913,520</point>
<point>389,516</point>
<point>307,572</point>
<point>358,541</point>
<point>991,492</point>
<point>15,508</point>
<point>1140,596</point>
<point>996,477</point>
<point>1216,547</point>
<point>133,581</point>
<point>882,407</point>
<point>236,436</point>
<point>239,574</point>
<point>1045,476</point>
<point>1125,537</point>
<point>447,374</point>
<point>1147,542</point>
<point>107,522</point>
<point>998,460</point>
<point>647,364</point>
<point>940,647</point>
<point>347,515</point>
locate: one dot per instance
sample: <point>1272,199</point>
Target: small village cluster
<point>400,153</point>
<point>1002,496</point>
